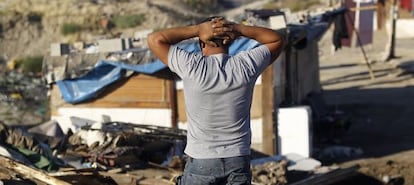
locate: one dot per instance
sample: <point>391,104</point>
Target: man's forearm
<point>159,42</point>
<point>172,36</point>
<point>260,34</point>
<point>265,36</point>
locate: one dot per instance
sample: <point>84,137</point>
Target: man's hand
<point>206,32</point>
<point>217,29</point>
<point>224,30</point>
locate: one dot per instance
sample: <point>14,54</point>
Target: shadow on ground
<point>360,179</point>
<point>381,118</point>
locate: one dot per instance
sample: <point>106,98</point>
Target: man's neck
<point>214,50</point>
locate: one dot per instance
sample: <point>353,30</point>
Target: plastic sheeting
<point>104,73</point>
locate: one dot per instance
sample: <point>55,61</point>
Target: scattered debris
<point>270,173</point>
<point>23,98</point>
<point>125,153</point>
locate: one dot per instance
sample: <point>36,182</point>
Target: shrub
<point>70,28</point>
<point>128,21</point>
<point>31,64</point>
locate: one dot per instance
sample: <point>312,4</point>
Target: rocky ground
<point>381,108</point>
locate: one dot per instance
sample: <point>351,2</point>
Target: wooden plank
<point>269,144</point>
<point>140,91</point>
<point>363,8</point>
<point>173,104</point>
<point>29,172</point>
<point>182,115</point>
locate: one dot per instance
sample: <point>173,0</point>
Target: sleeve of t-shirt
<point>256,59</point>
<point>180,61</point>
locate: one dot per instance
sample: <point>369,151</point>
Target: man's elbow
<point>153,40</point>
<point>156,43</point>
<point>276,48</point>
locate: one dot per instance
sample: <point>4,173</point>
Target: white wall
<point>404,28</point>
<point>158,117</point>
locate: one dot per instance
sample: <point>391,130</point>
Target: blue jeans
<point>219,171</point>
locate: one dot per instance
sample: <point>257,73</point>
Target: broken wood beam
<point>29,172</point>
<point>373,7</point>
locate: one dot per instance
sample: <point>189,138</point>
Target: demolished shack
<point>112,105</point>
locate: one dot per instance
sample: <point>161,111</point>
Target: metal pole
<point>394,23</point>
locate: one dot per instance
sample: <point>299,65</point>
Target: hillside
<point>28,27</point>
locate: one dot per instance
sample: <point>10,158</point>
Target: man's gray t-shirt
<point>218,93</point>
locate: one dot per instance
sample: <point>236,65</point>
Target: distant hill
<point>28,27</point>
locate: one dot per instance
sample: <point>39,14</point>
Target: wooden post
<point>381,14</point>
<point>173,103</point>
<point>269,144</point>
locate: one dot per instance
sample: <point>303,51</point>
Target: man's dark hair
<point>208,19</point>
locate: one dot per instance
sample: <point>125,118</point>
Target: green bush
<point>128,21</point>
<point>31,64</point>
<point>70,28</point>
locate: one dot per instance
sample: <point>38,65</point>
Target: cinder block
<point>59,49</point>
<point>113,45</point>
<point>277,22</point>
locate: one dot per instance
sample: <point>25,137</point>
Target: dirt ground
<point>381,109</point>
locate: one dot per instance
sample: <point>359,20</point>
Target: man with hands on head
<point>218,91</point>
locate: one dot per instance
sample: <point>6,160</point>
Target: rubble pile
<point>27,149</point>
<point>271,173</point>
<point>125,153</point>
<point>117,144</point>
<point>111,153</point>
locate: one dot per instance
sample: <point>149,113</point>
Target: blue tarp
<point>105,73</point>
